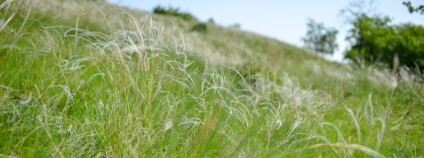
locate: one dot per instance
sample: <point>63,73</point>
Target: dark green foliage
<point>375,41</point>
<point>211,21</point>
<point>319,38</point>
<point>363,37</point>
<point>200,27</point>
<point>173,12</point>
<point>412,9</point>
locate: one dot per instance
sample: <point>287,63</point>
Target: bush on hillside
<point>200,27</point>
<point>211,21</point>
<point>173,12</point>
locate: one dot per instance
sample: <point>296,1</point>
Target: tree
<point>367,36</point>
<point>374,40</point>
<point>319,38</point>
<point>412,9</point>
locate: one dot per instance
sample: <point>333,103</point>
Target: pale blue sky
<point>281,19</point>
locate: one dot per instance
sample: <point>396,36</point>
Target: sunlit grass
<point>78,88</point>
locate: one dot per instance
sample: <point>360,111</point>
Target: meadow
<point>90,79</point>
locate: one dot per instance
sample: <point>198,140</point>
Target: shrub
<point>173,12</point>
<point>211,21</point>
<point>200,27</point>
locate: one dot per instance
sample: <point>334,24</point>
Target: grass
<point>112,82</point>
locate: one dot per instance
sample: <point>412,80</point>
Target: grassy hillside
<point>84,79</point>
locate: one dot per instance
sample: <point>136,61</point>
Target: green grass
<point>112,82</point>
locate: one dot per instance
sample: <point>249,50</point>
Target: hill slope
<point>84,79</point>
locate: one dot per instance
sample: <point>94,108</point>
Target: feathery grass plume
<point>351,146</point>
<point>3,22</point>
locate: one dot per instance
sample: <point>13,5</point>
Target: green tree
<point>367,36</point>
<point>374,40</point>
<point>412,9</point>
<point>319,38</point>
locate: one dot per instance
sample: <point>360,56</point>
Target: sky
<point>280,19</point>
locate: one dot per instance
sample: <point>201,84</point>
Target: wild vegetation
<point>414,9</point>
<point>173,12</point>
<point>320,39</point>
<point>374,40</point>
<point>97,80</point>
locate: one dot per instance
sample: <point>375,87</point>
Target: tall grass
<point>69,91</point>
